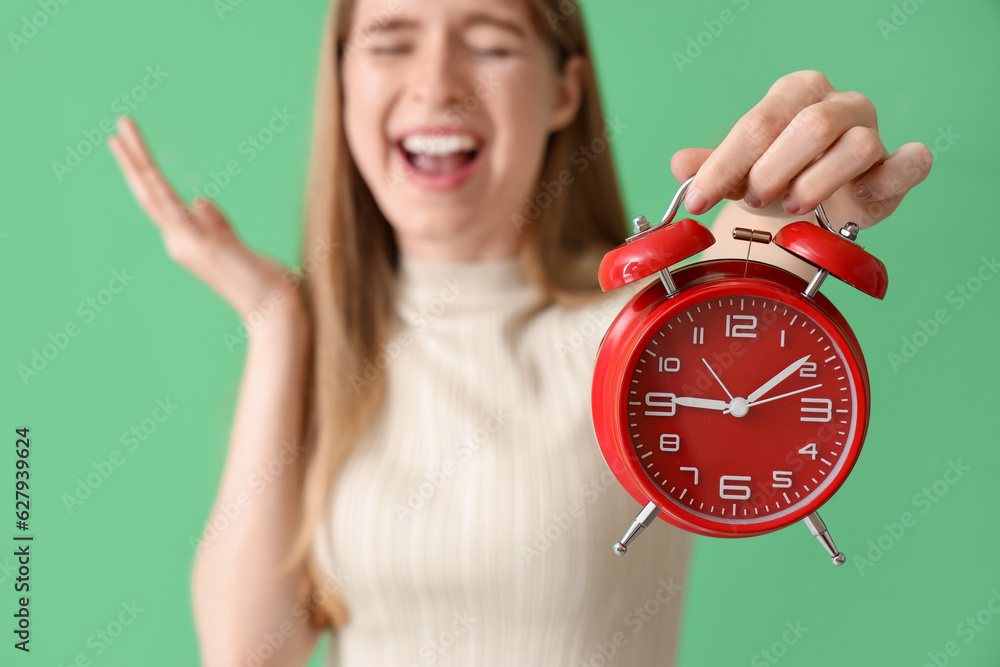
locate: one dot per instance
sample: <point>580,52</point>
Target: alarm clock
<point>731,398</point>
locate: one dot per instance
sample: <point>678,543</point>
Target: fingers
<point>854,153</point>
<point>835,139</point>
<point>731,162</point>
<point>148,185</point>
<point>685,163</point>
<point>907,167</point>
<point>210,217</point>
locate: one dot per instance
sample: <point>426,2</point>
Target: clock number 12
<point>741,326</point>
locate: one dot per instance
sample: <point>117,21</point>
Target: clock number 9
<point>656,399</point>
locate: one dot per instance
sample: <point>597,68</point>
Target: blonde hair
<point>351,295</point>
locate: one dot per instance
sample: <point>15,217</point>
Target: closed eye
<point>492,52</point>
<point>392,50</point>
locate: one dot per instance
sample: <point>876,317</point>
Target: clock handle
<point>818,528</point>
<point>641,523</point>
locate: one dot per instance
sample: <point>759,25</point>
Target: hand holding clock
<point>803,144</point>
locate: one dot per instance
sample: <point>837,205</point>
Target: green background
<point>934,79</point>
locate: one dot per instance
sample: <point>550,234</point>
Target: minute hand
<point>791,393</point>
<point>773,382</point>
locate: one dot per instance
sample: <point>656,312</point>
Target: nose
<point>440,75</point>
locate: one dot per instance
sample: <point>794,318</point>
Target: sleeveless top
<point>473,523</point>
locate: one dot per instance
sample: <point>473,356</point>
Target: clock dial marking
<point>746,442</point>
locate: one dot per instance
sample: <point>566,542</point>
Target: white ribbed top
<point>473,525</point>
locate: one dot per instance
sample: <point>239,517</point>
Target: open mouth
<point>434,154</point>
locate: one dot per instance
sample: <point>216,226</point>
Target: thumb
<point>213,219</point>
<point>685,163</point>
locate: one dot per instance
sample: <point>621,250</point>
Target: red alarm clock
<point>730,397</point>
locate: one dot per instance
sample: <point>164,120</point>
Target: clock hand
<point>701,403</point>
<point>773,382</point>
<point>774,398</point>
<point>728,393</point>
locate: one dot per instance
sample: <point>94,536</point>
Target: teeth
<point>444,145</point>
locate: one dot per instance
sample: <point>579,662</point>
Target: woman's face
<point>448,105</point>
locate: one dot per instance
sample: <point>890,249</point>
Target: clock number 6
<point>730,491</point>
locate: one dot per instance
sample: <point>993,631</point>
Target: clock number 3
<point>816,410</point>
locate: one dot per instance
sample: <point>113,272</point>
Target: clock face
<point>743,406</point>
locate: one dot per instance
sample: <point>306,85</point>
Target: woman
<point>449,505</point>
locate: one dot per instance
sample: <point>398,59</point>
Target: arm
<point>237,601</point>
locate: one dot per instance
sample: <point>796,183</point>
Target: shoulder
<point>577,329</point>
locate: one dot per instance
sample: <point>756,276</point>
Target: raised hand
<point>200,238</point>
<point>803,144</point>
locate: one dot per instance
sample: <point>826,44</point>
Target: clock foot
<point>818,528</point>
<point>641,523</point>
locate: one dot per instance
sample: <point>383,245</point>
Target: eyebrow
<point>397,24</point>
<point>495,21</point>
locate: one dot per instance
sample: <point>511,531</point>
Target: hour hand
<point>706,403</point>
<point>777,379</point>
